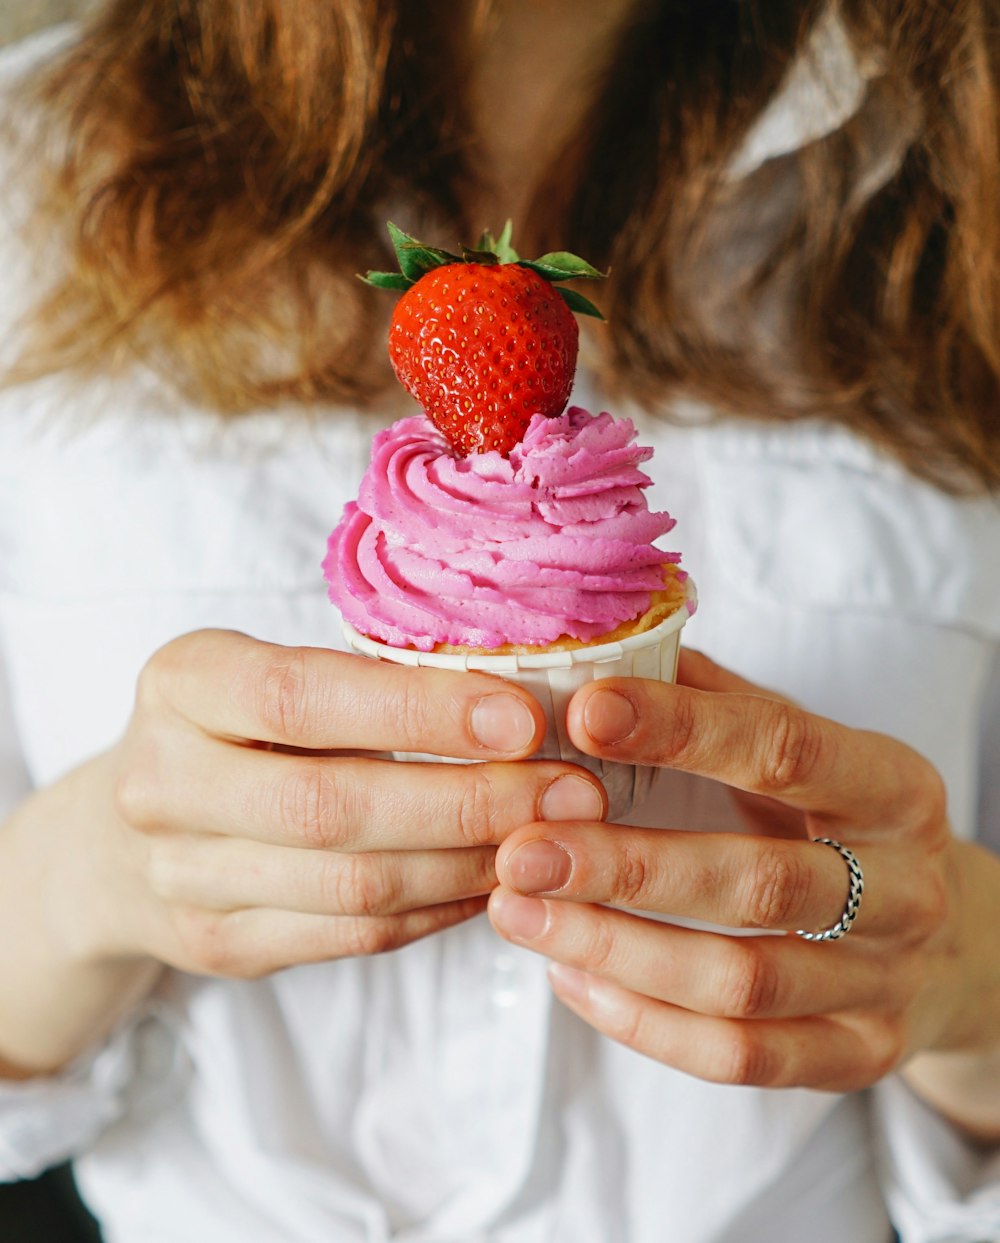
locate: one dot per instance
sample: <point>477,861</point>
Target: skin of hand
<point>918,973</point>
<point>229,834</point>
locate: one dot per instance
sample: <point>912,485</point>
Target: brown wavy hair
<point>230,163</point>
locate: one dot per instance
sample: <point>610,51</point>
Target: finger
<point>819,1052</point>
<point>760,745</point>
<point>349,804</point>
<point>248,944</point>
<point>226,874</point>
<point>707,972</point>
<point>235,687</point>
<point>762,814</point>
<point>736,879</point>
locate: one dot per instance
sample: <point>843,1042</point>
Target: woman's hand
<point>229,834</point>
<point>918,971</point>
<point>252,847</point>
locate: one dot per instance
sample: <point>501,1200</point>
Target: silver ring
<point>856,888</point>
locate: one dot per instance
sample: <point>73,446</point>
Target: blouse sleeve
<point>942,1188</point>
<point>47,1120</point>
<point>139,1067</point>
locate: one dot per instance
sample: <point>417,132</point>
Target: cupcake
<point>497,531</point>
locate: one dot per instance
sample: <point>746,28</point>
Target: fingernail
<point>524,919</point>
<point>538,867</point>
<point>609,717</point>
<point>502,723</point>
<point>571,798</point>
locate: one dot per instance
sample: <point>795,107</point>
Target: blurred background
<point>46,1210</point>
<point>20,17</point>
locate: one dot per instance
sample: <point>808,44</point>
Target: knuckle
<point>411,714</point>
<point>632,875</point>
<point>750,983</point>
<point>774,888</point>
<point>284,692</point>
<point>682,738</point>
<point>628,1026</point>
<point>149,684</point>
<point>135,798</point>
<point>743,1059</point>
<point>357,887</point>
<point>602,950</point>
<point>205,940</point>
<point>160,672</point>
<point>391,886</point>
<point>932,906</point>
<point>791,749</point>
<point>323,884</point>
<point>161,680</point>
<point>887,1046</point>
<point>930,801</point>
<point>365,937</point>
<point>252,967</point>
<point>477,807</point>
<point>314,806</point>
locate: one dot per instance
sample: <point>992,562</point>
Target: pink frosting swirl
<point>484,550</point>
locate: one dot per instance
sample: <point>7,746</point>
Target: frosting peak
<point>480,551</point>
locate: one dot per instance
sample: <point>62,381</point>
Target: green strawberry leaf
<point>577,302</point>
<point>414,257</point>
<point>479,256</point>
<point>498,247</point>
<point>502,248</point>
<point>387,280</point>
<point>562,266</point>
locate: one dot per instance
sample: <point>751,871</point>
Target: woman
<point>797,204</point>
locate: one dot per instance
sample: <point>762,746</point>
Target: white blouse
<point>438,1094</point>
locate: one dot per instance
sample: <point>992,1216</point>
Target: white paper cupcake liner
<point>553,678</point>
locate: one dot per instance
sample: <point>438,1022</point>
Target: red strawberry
<point>483,349</point>
<point>485,342</point>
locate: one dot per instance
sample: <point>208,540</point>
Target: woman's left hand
<point>917,971</point>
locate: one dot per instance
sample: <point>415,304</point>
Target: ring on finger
<point>856,887</point>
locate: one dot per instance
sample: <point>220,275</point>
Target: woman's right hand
<point>228,837</point>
